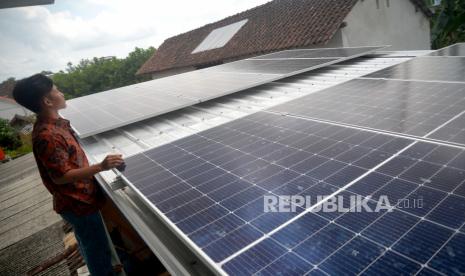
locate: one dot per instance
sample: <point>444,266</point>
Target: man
<point>65,170</point>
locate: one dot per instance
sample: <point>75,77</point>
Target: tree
<point>134,61</point>
<point>448,24</point>
<point>9,138</point>
<point>100,74</point>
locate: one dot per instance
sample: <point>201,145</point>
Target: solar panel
<point>210,188</point>
<point>107,110</point>
<point>426,68</point>
<point>93,114</point>
<point>407,107</point>
<point>271,66</point>
<point>318,53</point>
<point>402,240</point>
<point>219,37</point>
<point>457,49</point>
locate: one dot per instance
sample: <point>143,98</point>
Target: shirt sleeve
<point>53,154</point>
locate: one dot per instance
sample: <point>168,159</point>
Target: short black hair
<point>29,92</point>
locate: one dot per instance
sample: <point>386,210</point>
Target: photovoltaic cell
<point>343,262</point>
<point>425,68</point>
<point>414,108</point>
<point>326,241</point>
<point>391,264</point>
<point>422,241</point>
<point>107,110</point>
<point>448,259</point>
<point>399,223</point>
<point>290,263</point>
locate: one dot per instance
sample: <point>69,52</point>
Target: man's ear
<point>46,102</point>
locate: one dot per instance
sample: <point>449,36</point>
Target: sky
<point>38,38</point>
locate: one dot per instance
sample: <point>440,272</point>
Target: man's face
<point>55,99</point>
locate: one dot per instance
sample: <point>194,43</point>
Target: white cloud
<point>39,38</point>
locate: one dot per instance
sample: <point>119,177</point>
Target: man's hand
<point>111,161</point>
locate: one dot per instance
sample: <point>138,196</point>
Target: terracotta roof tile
<point>276,25</point>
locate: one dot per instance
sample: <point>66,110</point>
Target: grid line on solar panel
<point>160,96</point>
<point>405,107</point>
<point>426,68</point>
<point>372,141</point>
<point>448,232</point>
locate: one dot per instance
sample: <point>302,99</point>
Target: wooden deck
<point>30,231</point>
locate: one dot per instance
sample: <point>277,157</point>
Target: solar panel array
<point>107,110</point>
<point>367,137</point>
<point>211,186</point>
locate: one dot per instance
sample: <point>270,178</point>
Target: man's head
<point>37,93</point>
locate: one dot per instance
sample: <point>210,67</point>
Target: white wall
<point>334,42</point>
<point>400,25</point>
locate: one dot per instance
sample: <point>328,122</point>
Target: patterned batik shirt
<point>57,151</point>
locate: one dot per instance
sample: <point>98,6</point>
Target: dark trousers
<point>93,242</point>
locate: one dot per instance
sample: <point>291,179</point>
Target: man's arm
<point>52,152</point>
<point>111,161</point>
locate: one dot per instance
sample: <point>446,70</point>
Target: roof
<point>279,24</point>
<point>7,100</point>
<point>276,25</point>
<point>9,108</point>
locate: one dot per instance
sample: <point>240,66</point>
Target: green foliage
<point>25,148</point>
<point>9,138</point>
<point>100,74</point>
<point>448,24</point>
